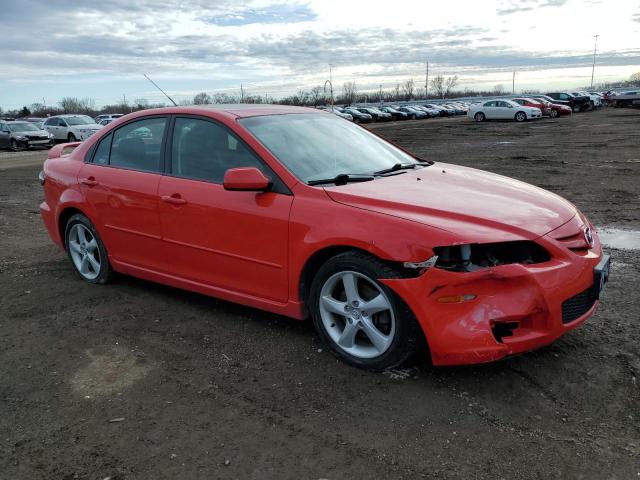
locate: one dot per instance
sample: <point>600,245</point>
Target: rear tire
<point>479,117</point>
<point>362,320</point>
<point>86,250</point>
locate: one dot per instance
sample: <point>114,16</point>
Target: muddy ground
<point>139,381</point>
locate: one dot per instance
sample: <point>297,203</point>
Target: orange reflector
<point>456,299</point>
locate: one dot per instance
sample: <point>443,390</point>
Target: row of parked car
<point>553,104</point>
<point>29,132</point>
<point>387,113</point>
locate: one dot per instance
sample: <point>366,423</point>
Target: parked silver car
<point>23,135</point>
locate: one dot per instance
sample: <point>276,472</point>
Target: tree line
<point>439,87</point>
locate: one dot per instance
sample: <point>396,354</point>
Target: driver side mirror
<point>247,179</point>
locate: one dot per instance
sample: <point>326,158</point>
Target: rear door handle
<point>174,199</point>
<point>92,182</point>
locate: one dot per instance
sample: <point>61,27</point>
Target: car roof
<point>237,110</point>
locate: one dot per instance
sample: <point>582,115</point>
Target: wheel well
<point>64,217</point>
<point>315,262</point>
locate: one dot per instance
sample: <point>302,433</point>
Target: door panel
<point>125,204</point>
<point>232,240</point>
<point>122,187</point>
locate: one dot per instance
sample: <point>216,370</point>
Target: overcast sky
<point>100,49</point>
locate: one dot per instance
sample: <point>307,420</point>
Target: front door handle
<point>91,181</point>
<point>174,199</point>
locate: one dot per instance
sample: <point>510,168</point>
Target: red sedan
<point>302,213</point>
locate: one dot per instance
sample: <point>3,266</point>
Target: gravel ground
<point>138,381</point>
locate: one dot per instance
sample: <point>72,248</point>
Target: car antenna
<point>164,93</point>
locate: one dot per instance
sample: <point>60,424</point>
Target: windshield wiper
<point>343,179</point>
<point>401,166</point>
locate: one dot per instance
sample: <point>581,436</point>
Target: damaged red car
<point>304,214</point>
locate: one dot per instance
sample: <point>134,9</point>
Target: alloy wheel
<point>357,314</point>
<point>84,251</point>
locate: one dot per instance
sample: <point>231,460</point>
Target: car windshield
<point>79,120</point>
<point>22,127</point>
<point>318,146</point>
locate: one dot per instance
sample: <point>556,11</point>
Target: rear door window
<point>138,145</point>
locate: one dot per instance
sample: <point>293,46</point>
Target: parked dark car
<point>22,135</point>
<point>577,103</point>
<point>377,115</point>
<point>358,116</point>
<point>396,114</point>
<point>444,111</point>
<point>414,113</point>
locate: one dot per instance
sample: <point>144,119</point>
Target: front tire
<point>520,117</point>
<point>576,108</point>
<point>86,250</point>
<point>553,114</point>
<point>479,117</point>
<point>14,145</point>
<point>362,320</point>
<point>71,138</point>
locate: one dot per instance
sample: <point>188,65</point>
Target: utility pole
<point>380,93</point>
<point>426,81</point>
<point>241,93</point>
<point>595,47</point>
<point>513,84</point>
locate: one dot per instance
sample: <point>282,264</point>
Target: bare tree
<point>498,89</point>
<point>407,89</point>
<point>349,92</point>
<point>437,85</point>
<point>450,84</point>
<point>316,95</point>
<point>202,98</point>
<point>75,105</point>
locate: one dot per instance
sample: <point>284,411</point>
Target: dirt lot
<point>139,381</point>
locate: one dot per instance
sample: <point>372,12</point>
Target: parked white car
<point>108,116</point>
<point>596,100</point>
<point>71,128</point>
<point>502,109</point>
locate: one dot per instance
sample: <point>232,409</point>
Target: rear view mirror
<point>248,179</point>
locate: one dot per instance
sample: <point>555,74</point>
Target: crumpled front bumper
<point>530,296</point>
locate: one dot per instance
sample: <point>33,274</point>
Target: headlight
<point>20,137</point>
<point>467,258</point>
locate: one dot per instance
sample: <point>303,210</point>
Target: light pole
<point>426,81</point>
<point>593,68</point>
<point>513,84</point>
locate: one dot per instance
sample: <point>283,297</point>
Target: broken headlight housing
<point>471,257</point>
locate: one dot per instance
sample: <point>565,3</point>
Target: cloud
<point>277,13</point>
<point>508,7</point>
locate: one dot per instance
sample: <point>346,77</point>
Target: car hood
<point>24,133</point>
<point>87,126</point>
<point>474,205</point>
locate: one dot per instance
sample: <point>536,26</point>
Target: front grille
<point>576,306</point>
<point>36,137</point>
